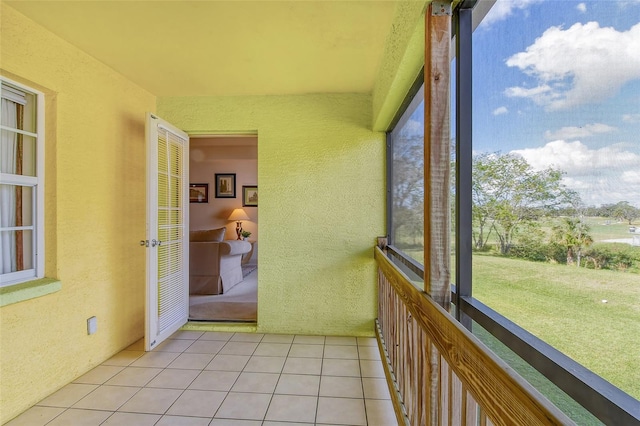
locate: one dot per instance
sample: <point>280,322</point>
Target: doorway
<point>224,171</point>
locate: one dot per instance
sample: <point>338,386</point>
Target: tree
<point>408,188</point>
<point>480,204</point>
<point>509,192</point>
<point>624,210</point>
<point>573,234</point>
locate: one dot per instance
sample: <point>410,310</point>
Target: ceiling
<point>221,48</point>
<point>223,148</point>
<point>223,140</point>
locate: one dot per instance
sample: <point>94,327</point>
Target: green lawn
<point>601,229</point>
<point>564,307</point>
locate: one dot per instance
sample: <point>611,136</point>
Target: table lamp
<point>238,215</point>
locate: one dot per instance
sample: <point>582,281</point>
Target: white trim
<point>18,228</point>
<point>6,178</point>
<point>18,131</point>
<point>17,277</point>
<point>14,95</point>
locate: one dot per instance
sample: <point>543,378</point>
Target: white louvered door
<point>167,307</point>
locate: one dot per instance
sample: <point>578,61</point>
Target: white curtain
<point>8,146</point>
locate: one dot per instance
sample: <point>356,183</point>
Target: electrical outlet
<point>92,325</point>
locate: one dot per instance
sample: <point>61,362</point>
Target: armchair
<point>214,264</point>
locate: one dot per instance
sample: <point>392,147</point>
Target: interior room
<point>212,161</point>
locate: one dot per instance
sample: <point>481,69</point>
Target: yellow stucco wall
<point>95,216</point>
<point>321,180</point>
<point>403,59</point>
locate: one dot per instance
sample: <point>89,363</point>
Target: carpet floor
<point>239,304</point>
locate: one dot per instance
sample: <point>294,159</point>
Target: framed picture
<point>225,185</point>
<point>250,196</point>
<point>198,192</point>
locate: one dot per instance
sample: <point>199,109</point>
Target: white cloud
<point>627,3</point>
<point>581,7</point>
<point>540,94</point>
<point>631,177</point>
<point>582,64</point>
<point>576,158</point>
<point>413,126</point>
<point>500,110</point>
<point>579,132</point>
<point>503,9</point>
<point>631,118</point>
<point>605,175</point>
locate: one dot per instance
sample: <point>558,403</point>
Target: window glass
<point>556,177</point>
<point>21,254</point>
<point>21,114</point>
<point>407,187</point>
<point>22,150</point>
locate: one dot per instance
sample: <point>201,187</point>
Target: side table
<point>247,256</point>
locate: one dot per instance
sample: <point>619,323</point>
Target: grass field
<point>564,307</point>
<point>575,411</point>
<point>602,229</point>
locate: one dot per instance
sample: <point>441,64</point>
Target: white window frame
<point>38,185</point>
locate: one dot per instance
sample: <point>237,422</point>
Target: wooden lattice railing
<point>442,374</point>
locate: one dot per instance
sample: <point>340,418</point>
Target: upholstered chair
<point>215,265</point>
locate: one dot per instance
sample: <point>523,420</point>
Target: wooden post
<point>437,152</point>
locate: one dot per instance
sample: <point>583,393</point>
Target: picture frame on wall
<point>250,195</point>
<point>198,192</point>
<point>225,185</point>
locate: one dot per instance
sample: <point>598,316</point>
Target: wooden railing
<point>442,374</point>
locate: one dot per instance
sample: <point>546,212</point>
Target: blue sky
<point>558,82</point>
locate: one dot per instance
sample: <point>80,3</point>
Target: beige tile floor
<point>225,379</point>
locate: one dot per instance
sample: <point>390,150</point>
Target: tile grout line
<point>319,388</point>
<point>360,351</point>
<point>117,410</point>
<point>236,380</point>
<point>186,387</point>
<point>160,372</point>
<point>101,385</point>
<point>364,397</point>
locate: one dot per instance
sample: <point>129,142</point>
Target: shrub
<point>531,245</point>
<point>540,252</point>
<point>617,257</point>
<point>535,253</point>
<point>556,253</point>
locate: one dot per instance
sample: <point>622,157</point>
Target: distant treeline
<point>622,210</point>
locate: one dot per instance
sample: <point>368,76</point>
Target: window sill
<point>28,290</point>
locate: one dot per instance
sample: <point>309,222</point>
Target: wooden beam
<point>437,76</point>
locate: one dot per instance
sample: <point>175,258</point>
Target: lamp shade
<point>239,215</point>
